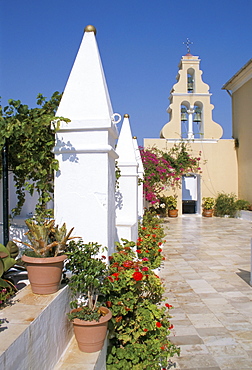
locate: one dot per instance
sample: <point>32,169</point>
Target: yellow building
<point>240,86</point>
<point>190,120</point>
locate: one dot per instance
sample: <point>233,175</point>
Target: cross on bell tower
<point>187,43</point>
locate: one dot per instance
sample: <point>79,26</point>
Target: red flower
<point>137,276</point>
<point>111,279</point>
<point>147,251</point>
<point>103,257</point>
<point>160,243</point>
<point>145,259</point>
<point>160,250</point>
<point>127,264</point>
<point>171,326</point>
<point>116,274</point>
<point>109,304</point>
<point>168,305</point>
<point>145,330</point>
<point>138,251</point>
<point>158,324</point>
<point>110,258</point>
<point>145,269</point>
<point>144,228</point>
<point>162,347</point>
<point>154,235</point>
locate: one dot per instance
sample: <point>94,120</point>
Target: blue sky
<point>140,42</point>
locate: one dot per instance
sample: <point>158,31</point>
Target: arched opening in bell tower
<point>198,127</point>
<point>191,81</point>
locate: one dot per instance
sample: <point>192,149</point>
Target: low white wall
<point>245,215</point>
<point>37,331</point>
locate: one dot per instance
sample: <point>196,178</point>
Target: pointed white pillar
<point>127,194</point>
<point>140,171</point>
<point>84,184</point>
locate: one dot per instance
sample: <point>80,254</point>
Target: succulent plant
<point>46,239</point>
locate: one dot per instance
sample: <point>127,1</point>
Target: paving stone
<point>211,260</point>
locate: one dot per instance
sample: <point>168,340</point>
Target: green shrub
<point>225,204</point>
<point>242,204</point>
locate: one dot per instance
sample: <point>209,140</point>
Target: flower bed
<point>140,323</point>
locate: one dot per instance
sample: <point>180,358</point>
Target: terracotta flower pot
<point>207,212</point>
<point>90,335</point>
<point>44,273</point>
<point>173,213</point>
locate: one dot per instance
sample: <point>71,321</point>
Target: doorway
<point>190,194</point>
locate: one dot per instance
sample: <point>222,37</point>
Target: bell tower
<point>190,110</point>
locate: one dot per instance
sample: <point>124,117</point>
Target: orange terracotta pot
<point>173,213</point>
<point>90,335</point>
<point>207,212</point>
<point>44,273</point>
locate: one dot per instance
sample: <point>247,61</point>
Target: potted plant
<point>44,262</point>
<point>172,206</point>
<point>89,316</point>
<point>208,206</point>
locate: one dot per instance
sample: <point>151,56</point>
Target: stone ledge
<point>36,332</point>
<point>38,335</point>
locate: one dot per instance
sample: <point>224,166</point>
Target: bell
<point>190,84</point>
<point>183,114</point>
<point>197,115</point>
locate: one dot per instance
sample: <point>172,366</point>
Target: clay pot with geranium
<point>140,325</point>
<point>46,254</point>
<point>89,313</point>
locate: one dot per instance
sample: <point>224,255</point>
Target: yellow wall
<point>242,130</point>
<point>218,163</point>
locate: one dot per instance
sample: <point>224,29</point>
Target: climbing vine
<point>30,136</point>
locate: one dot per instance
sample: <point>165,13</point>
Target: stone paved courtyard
<point>207,274</point>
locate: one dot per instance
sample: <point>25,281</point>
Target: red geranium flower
<point>127,264</point>
<point>116,274</point>
<point>145,330</point>
<point>145,269</point>
<point>137,276</point>
<point>138,251</point>
<point>168,305</point>
<point>158,324</point>
<point>160,250</point>
<point>171,326</point>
